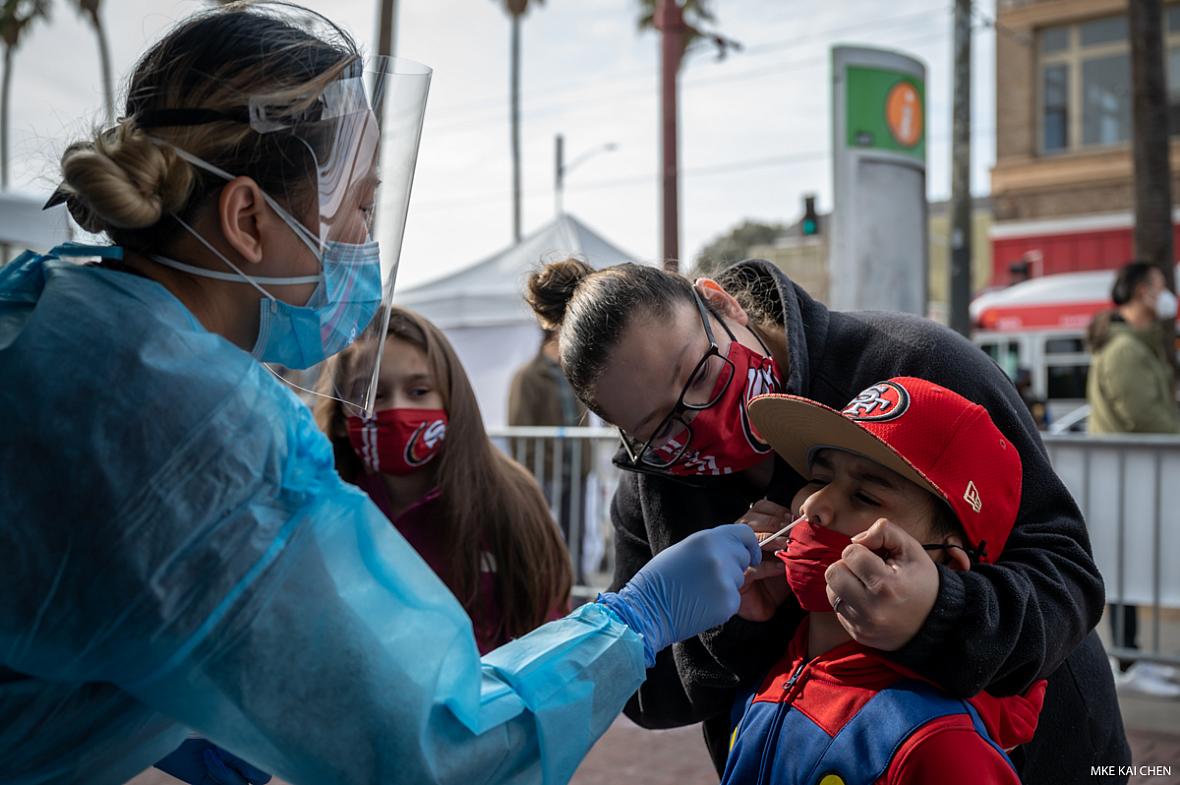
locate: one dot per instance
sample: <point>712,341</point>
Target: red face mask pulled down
<point>723,442</point>
<point>809,552</point>
<point>398,441</point>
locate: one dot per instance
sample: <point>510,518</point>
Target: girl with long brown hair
<point>473,514</point>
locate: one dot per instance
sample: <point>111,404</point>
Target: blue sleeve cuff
<point>627,614</point>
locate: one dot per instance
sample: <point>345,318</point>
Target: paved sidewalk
<point>630,754</point>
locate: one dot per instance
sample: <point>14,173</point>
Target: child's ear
<point>956,558</point>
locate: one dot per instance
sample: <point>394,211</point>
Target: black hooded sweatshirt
<point>998,627</point>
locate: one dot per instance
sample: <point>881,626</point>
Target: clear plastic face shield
<point>362,134</point>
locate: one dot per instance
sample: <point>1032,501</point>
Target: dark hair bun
<point>549,290</point>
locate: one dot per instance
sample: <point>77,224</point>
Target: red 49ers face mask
<point>723,442</point>
<point>398,441</point>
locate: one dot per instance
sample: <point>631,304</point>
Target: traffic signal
<point>810,221</point>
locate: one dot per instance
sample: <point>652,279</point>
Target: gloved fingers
<point>736,555</point>
<point>733,603</point>
<point>744,536</point>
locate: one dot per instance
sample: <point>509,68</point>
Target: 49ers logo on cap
<point>882,401</point>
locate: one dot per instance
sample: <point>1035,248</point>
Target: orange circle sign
<point>903,112</point>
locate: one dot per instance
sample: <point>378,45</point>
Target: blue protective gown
<point>180,553</point>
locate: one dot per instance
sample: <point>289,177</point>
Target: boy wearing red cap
<point>904,454</point>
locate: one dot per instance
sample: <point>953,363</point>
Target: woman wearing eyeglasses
<point>673,364</point>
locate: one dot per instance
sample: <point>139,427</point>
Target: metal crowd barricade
<point>573,467</point>
<point>1128,489</point>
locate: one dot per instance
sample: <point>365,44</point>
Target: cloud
<point>586,73</point>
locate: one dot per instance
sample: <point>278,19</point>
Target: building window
<point>1085,82</point>
<point>1055,118</point>
<point>1106,100</point>
<point>1112,30</point>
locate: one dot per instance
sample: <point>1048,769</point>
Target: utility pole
<point>559,172</point>
<point>386,41</point>
<point>386,45</point>
<point>515,99</point>
<point>959,289</point>
<point>669,20</point>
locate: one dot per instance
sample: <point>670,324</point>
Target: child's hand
<point>764,591</point>
<point>766,517</point>
<point>886,585</point>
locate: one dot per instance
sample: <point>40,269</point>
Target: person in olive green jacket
<point>1131,389</point>
<point>540,395</point>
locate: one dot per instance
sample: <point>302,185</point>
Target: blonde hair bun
<point>124,180</point>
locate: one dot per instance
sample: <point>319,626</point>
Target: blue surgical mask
<point>347,294</point>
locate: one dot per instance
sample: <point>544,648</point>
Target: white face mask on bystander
<point>1165,305</point>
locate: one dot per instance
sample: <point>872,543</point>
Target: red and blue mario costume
<point>851,716</point>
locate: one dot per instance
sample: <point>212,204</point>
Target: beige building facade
<point>1061,188</point>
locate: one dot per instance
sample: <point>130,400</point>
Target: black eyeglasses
<point>706,385</point>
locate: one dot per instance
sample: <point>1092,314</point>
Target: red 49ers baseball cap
<point>926,433</point>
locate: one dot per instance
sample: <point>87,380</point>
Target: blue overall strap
<point>861,752</point>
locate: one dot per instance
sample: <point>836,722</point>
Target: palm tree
<point>516,9</point>
<point>15,18</point>
<point>697,15</point>
<point>90,10</point>
<point>681,24</point>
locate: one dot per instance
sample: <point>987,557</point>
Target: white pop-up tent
<point>482,310</point>
<point>24,224</point>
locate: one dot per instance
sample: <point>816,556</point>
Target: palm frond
<point>17,15</point>
<point>698,15</point>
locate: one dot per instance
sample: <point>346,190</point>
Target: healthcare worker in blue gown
<point>180,555</point>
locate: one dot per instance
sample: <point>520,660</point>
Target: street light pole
<point>562,169</point>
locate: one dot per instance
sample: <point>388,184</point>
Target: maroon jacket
<point>418,524</point>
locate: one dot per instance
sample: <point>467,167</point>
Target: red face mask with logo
<point>723,442</point>
<point>398,441</point>
<point>809,553</point>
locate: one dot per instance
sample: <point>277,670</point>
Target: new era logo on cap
<point>883,401</point>
<point>972,497</point>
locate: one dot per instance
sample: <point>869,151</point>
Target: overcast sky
<point>755,129</point>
